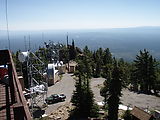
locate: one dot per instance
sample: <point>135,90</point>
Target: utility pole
<point>68,51</point>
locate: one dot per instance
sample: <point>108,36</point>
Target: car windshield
<point>61,94</point>
<point>54,95</point>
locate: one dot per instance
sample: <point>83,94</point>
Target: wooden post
<point>8,115</point>
<point>11,84</point>
<point>18,112</point>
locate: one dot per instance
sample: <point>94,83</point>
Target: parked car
<point>54,98</point>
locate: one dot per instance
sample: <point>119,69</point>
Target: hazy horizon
<point>81,29</point>
<point>123,42</point>
<point>71,14</point>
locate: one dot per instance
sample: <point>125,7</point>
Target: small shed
<point>72,66</point>
<point>139,114</point>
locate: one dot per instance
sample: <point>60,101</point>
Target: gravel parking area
<point>96,84</point>
<point>132,99</point>
<point>140,100</point>
<point>66,86</point>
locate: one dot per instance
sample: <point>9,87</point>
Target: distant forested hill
<point>123,42</point>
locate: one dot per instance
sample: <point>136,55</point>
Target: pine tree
<point>115,88</point>
<point>125,67</point>
<point>127,115</point>
<point>152,73</point>
<point>145,71</point>
<point>83,97</point>
<point>63,54</point>
<point>87,52</point>
<point>72,51</point>
<point>104,91</point>
<point>107,58</point>
<point>98,62</point>
<point>134,79</point>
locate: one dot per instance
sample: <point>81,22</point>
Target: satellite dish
<point>61,62</point>
<point>23,56</point>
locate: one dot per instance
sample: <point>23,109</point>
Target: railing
<point>14,96</point>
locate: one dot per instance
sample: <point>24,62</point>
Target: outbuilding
<point>52,73</point>
<point>139,114</point>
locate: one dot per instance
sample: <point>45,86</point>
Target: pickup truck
<point>54,98</point>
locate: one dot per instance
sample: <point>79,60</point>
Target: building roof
<point>140,114</point>
<point>72,63</point>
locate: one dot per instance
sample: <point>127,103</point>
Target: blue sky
<point>79,14</point>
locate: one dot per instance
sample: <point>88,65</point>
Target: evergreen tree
<point>98,62</point>
<point>145,71</point>
<point>83,98</point>
<point>134,79</point>
<point>126,68</point>
<point>87,52</point>
<point>115,88</point>
<point>107,62</point>
<point>104,91</point>
<point>127,115</point>
<point>107,58</point>
<point>63,54</point>
<point>152,73</point>
<point>88,61</point>
<point>72,51</point>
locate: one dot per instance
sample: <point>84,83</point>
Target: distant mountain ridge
<point>123,42</point>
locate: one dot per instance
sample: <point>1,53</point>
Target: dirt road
<point>66,86</point>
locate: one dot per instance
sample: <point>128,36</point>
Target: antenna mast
<point>9,46</point>
<point>42,37</point>
<point>25,44</point>
<point>29,43</point>
<point>67,39</point>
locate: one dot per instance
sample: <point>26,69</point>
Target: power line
<point>7,25</point>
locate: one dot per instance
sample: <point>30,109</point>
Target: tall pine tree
<point>115,88</point>
<point>72,51</point>
<point>83,97</point>
<point>145,71</point>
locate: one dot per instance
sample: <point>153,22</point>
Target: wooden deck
<point>3,106</point>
